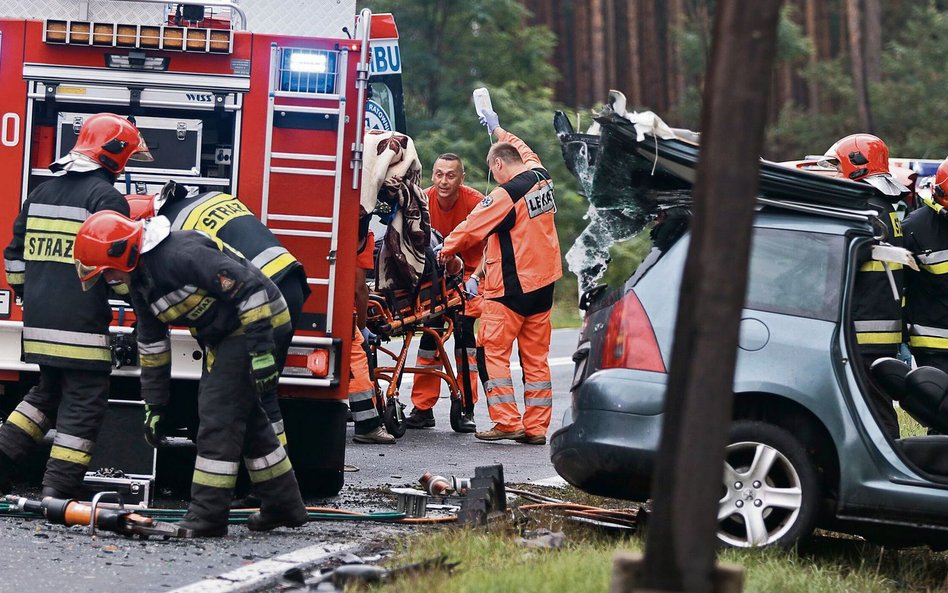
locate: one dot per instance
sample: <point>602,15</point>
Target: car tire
<point>771,489</point>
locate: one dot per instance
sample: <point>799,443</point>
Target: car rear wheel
<point>771,488</point>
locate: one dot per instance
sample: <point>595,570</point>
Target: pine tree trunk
<point>633,20</point>
<point>597,66</point>
<point>858,63</point>
<point>872,44</point>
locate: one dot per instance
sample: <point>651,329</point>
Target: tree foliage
<point>450,48</point>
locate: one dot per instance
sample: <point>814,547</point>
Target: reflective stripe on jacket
<point>877,313</point>
<point>926,291</point>
<point>517,219</point>
<point>228,220</point>
<point>187,281</point>
<point>63,326</point>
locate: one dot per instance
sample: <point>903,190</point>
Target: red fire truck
<point>266,100</point>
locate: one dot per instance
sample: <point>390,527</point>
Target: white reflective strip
<point>365,415</point>
<point>178,223</point>
<point>14,265</point>
<point>505,382</point>
<point>61,212</point>
<point>33,413</point>
<point>278,426</point>
<point>65,337</point>
<point>255,300</point>
<point>538,402</point>
<point>155,347</point>
<point>273,458</point>
<point>878,325</point>
<point>227,468</point>
<point>174,298</point>
<point>924,330</point>
<point>935,257</point>
<point>267,255</point>
<point>361,396</point>
<point>72,442</point>
<point>501,399</point>
<point>537,385</point>
<point>423,353</point>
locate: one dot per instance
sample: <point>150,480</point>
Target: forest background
<point>844,66</point>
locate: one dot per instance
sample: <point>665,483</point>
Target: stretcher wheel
<point>394,418</point>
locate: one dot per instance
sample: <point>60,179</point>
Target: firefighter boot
<point>6,466</point>
<point>200,527</point>
<point>282,505</point>
<point>420,419</point>
<point>52,492</point>
<point>260,521</point>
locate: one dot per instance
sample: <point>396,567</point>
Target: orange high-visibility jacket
<point>517,219</point>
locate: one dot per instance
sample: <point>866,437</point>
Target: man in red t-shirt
<point>449,203</point>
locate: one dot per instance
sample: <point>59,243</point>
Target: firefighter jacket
<point>926,291</point>
<point>62,325</point>
<point>186,280</point>
<point>877,312</point>
<point>517,219</point>
<point>228,220</point>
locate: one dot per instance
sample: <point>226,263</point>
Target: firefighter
<point>449,203</point>
<point>362,404</point>
<point>926,291</point>
<point>228,221</point>
<point>877,312</point>
<point>522,262</point>
<point>237,314</point>
<point>65,330</point>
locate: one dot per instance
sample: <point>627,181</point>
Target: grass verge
<point>496,560</point>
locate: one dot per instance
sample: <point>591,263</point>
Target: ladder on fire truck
<point>277,102</point>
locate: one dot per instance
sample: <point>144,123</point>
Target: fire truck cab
<point>253,99</point>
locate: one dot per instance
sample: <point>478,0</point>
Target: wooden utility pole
<point>679,554</point>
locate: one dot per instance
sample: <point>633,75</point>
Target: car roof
<point>784,219</point>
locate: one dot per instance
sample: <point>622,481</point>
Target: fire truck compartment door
<point>174,143</point>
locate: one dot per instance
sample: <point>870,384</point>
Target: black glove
<point>153,417</point>
<point>264,370</point>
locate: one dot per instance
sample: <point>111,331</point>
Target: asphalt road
<point>44,558</point>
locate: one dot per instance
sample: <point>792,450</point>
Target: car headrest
<point>890,374</point>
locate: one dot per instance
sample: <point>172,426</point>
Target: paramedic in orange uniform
<point>521,263</point>
<point>449,203</point>
<point>365,414</point>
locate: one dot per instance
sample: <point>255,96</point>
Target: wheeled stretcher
<point>432,309</point>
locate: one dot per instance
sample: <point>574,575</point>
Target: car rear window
<point>796,273</point>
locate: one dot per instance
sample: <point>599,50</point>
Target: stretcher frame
<point>396,314</point>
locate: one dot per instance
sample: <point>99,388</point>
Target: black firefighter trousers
<point>74,401</point>
<point>292,292</point>
<point>233,422</point>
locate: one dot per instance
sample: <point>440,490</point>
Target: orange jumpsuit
<point>522,261</point>
<point>427,388</point>
<point>365,414</point>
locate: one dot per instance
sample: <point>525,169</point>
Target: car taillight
<point>630,341</point>
<point>307,362</point>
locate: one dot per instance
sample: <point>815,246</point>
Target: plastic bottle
<point>481,101</point>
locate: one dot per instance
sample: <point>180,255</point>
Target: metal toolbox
<point>175,143</point>
<point>122,461</point>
